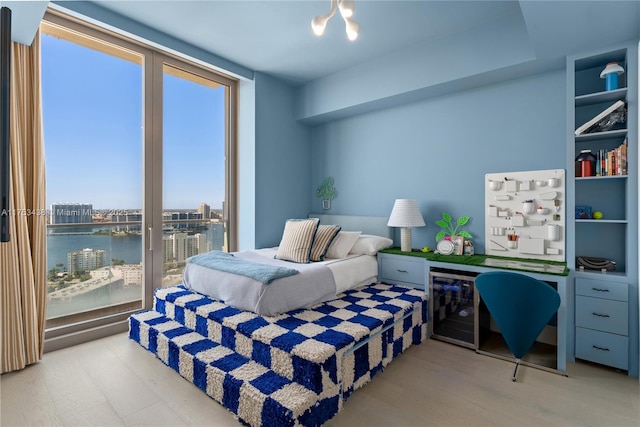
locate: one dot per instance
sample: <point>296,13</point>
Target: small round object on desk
<point>445,247</point>
<point>597,215</point>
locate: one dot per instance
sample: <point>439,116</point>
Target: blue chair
<point>520,305</point>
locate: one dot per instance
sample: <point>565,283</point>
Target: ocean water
<point>127,248</point>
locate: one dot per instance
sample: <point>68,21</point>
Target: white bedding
<point>349,272</point>
<point>285,294</point>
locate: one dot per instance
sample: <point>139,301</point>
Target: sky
<point>93,131</point>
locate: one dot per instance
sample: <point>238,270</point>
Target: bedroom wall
<point>282,161</point>
<point>438,150</point>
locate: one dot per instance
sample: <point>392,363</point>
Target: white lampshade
<point>405,214</point>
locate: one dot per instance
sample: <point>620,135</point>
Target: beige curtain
<point>23,275</point>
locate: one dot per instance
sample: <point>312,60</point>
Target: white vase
<point>326,204</point>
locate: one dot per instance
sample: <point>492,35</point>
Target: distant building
<point>183,216</point>
<point>177,247</point>
<point>71,213</point>
<point>131,274</point>
<point>86,259</point>
<point>205,210</point>
<point>134,216</point>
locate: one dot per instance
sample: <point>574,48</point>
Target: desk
<point>426,264</point>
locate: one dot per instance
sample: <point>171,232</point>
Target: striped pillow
<point>297,240</point>
<point>324,237</point>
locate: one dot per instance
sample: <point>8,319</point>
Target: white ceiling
<point>275,37</point>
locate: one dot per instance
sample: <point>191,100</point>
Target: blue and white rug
<point>323,353</point>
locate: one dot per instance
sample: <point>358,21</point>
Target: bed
<point>295,368</point>
<point>315,283</point>
<point>312,283</point>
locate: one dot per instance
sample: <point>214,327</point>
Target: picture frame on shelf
<point>583,212</point>
<point>458,242</point>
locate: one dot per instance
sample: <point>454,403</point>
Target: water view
<point>89,267</point>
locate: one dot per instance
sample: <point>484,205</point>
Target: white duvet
<point>349,272</point>
<point>288,293</point>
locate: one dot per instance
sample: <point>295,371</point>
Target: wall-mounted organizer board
<point>525,214</point>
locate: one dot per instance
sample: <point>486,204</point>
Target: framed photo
<point>583,212</point>
<point>458,242</point>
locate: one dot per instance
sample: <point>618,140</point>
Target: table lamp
<point>405,214</point>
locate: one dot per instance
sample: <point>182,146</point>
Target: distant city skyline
<point>85,213</point>
<point>97,161</point>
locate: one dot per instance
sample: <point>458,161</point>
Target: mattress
<point>317,282</point>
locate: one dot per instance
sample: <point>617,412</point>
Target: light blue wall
<point>282,160</point>
<point>427,68</point>
<point>438,150</point>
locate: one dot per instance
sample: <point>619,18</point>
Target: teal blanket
<point>226,262</point>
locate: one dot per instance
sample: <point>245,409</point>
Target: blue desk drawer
<point>602,289</point>
<point>602,315</point>
<point>402,269</point>
<point>601,347</point>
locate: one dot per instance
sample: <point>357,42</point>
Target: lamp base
<point>405,239</point>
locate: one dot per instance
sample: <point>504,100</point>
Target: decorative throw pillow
<point>324,236</point>
<point>342,244</point>
<point>297,239</point>
<point>369,244</point>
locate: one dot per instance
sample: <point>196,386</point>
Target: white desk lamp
<point>405,214</point>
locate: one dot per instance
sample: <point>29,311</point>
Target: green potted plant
<point>451,230</point>
<point>328,192</point>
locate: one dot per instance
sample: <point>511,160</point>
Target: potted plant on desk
<point>451,231</point>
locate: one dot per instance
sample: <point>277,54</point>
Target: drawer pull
<point>402,271</point>
<point>600,315</point>
<point>600,290</point>
<point>600,348</point>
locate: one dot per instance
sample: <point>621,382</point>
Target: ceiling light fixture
<point>347,9</point>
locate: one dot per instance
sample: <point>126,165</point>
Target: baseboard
<point>75,338</point>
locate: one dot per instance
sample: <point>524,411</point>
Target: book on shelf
<point>605,120</point>
<point>612,162</point>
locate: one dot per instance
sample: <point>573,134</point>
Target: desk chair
<point>520,305</point>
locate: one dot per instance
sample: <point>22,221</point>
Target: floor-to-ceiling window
<point>193,165</point>
<point>139,170</point>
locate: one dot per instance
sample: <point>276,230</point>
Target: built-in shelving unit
<point>615,236</point>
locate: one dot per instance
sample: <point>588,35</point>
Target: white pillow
<point>342,244</point>
<point>368,244</point>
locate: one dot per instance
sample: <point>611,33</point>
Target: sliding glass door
<point>140,170</point>
<point>92,115</point>
<point>194,131</point>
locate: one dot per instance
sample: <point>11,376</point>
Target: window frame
<point>82,327</point>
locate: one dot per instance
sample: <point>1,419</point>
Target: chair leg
<point>515,371</point>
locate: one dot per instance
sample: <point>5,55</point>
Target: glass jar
<point>585,164</point>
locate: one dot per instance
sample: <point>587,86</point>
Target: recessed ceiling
<point>276,37</point>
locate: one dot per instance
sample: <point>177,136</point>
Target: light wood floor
<point>114,382</point>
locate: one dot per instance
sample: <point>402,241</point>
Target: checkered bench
<point>324,353</point>
<point>334,347</point>
<point>255,394</point>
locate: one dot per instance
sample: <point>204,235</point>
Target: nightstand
<point>403,270</point>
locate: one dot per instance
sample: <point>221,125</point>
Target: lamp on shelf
<point>405,214</point>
